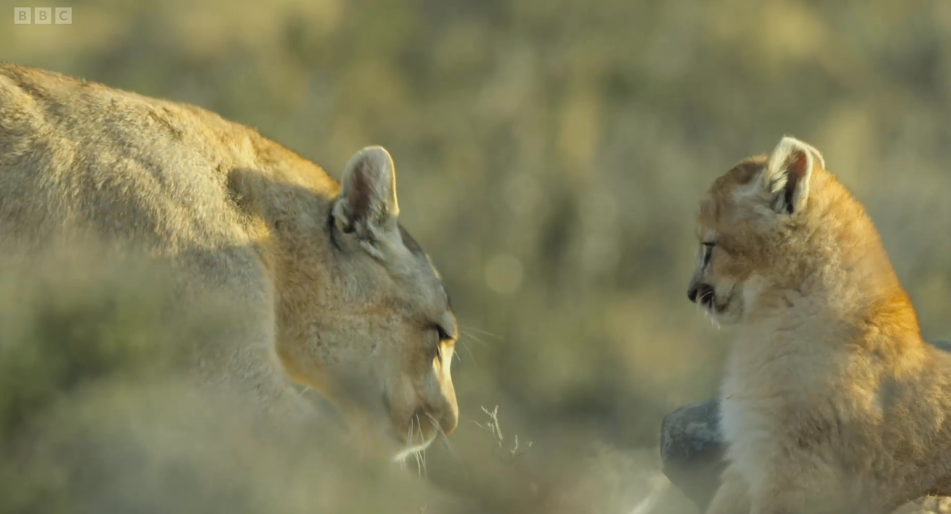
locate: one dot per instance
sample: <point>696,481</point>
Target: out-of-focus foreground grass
<point>98,413</point>
<point>550,154</point>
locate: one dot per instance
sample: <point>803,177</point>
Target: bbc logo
<point>42,15</point>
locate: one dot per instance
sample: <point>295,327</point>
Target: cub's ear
<point>787,174</point>
<point>367,203</point>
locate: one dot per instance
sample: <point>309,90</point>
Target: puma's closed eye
<point>443,334</point>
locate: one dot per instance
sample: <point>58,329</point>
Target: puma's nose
<point>698,291</point>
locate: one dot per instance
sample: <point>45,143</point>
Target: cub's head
<point>753,228</point>
<point>364,317</point>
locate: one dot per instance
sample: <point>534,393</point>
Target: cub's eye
<point>708,252</point>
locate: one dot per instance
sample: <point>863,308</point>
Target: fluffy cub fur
<point>832,402</point>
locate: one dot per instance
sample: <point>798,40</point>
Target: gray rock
<point>691,447</point>
<point>691,450</point>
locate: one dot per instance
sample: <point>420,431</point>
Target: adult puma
<point>335,294</point>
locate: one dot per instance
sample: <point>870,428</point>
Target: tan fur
<point>832,402</point>
<point>338,296</point>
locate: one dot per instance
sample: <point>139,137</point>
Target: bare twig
<point>494,427</point>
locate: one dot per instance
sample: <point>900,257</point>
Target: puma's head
<point>362,314</point>
<point>755,228</point>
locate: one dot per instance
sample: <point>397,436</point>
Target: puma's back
<point>77,155</point>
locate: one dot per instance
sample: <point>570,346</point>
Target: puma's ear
<point>819,160</point>
<point>367,203</point>
<point>787,174</point>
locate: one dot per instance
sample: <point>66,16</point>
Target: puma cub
<point>832,402</point>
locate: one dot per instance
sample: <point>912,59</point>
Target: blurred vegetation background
<point>550,156</point>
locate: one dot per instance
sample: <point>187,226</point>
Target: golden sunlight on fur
<point>832,402</point>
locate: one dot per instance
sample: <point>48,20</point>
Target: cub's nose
<point>698,291</point>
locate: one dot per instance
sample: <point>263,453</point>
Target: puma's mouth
<point>410,450</point>
<point>718,304</point>
<point>417,433</point>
